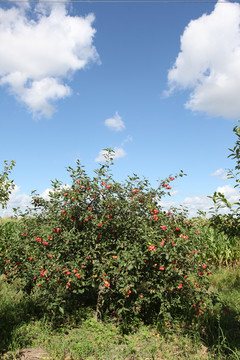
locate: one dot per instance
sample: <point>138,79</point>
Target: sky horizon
<point>156,82</point>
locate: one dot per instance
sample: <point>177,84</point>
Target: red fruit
<point>43,273</point>
<point>152,248</point>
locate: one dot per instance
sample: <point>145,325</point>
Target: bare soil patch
<point>28,354</point>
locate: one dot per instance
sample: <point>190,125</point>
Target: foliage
<point>80,336</point>
<point>110,245</point>
<point>6,185</point>
<point>229,223</point>
<point>215,246</point>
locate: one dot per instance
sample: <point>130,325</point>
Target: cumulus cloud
<point>203,202</point>
<point>16,200</point>
<point>118,153</point>
<point>22,200</point>
<point>209,61</point>
<point>231,193</point>
<point>41,48</point>
<point>115,123</point>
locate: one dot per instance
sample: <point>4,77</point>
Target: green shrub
<point>110,244</point>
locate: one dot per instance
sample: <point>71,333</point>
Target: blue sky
<point>158,83</point>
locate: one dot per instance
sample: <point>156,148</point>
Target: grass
<point>216,247</point>
<point>80,337</point>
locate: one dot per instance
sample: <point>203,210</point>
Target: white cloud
<point>232,194</point>
<point>128,139</point>
<point>225,177</point>
<point>217,172</point>
<point>22,200</point>
<point>45,194</point>
<point>203,202</point>
<point>209,62</point>
<point>222,173</point>
<point>115,123</point>
<point>16,200</point>
<point>193,204</point>
<point>40,50</point>
<point>118,153</point>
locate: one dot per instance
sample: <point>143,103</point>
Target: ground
<point>30,354</point>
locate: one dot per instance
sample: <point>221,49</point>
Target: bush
<point>111,245</point>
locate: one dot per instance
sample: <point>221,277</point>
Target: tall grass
<point>215,246</point>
